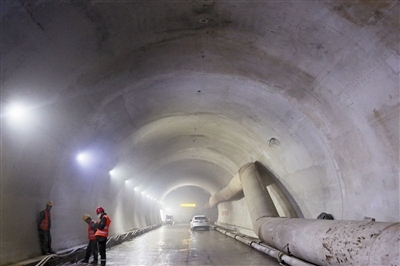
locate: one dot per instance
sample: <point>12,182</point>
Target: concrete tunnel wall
<point>169,95</point>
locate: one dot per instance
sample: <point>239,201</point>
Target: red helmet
<point>99,210</point>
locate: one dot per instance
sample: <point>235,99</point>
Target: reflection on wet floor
<point>178,245</point>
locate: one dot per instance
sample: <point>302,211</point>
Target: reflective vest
<point>44,224</point>
<point>91,235</point>
<point>104,231</point>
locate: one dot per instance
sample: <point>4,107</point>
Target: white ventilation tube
<point>322,242</point>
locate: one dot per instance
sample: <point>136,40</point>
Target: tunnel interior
<point>185,202</point>
<point>139,105</point>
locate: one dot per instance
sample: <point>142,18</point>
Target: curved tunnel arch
<point>183,164</point>
<point>204,174</point>
<point>309,90</point>
<point>167,130</point>
<point>210,188</point>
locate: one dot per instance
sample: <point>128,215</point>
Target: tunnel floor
<point>178,245</point>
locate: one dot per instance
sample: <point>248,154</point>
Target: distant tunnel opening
<point>188,195</point>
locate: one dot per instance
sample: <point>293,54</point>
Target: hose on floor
<point>111,241</point>
<point>48,257</point>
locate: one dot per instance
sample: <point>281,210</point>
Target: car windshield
<point>200,218</point>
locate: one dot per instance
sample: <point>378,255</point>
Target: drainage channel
<point>282,257</point>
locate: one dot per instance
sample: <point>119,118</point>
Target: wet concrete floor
<point>178,245</point>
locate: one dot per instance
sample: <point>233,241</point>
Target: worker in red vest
<point>44,229</point>
<point>92,245</point>
<point>102,233</point>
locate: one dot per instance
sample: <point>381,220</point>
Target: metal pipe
<point>281,256</point>
<point>323,242</point>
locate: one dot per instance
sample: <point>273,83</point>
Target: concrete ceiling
<point>172,94</point>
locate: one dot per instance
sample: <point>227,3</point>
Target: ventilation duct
<point>322,242</point>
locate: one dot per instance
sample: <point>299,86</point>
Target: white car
<point>200,221</point>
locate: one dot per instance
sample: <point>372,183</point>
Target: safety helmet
<point>86,216</point>
<point>49,203</point>
<point>99,210</point>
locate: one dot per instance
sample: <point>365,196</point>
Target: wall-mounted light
<point>83,158</point>
<point>188,205</point>
<point>17,112</point>
<point>18,115</point>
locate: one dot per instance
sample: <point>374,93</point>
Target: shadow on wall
<point>283,200</point>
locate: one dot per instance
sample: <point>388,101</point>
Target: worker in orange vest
<point>44,229</point>
<point>101,234</point>
<point>92,245</point>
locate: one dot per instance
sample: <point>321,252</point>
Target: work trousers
<point>102,241</point>
<point>91,249</point>
<point>45,241</point>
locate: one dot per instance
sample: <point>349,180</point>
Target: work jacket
<point>45,221</point>
<point>92,230</point>
<point>104,221</point>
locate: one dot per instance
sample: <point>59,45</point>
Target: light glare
<point>18,113</point>
<point>83,158</point>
